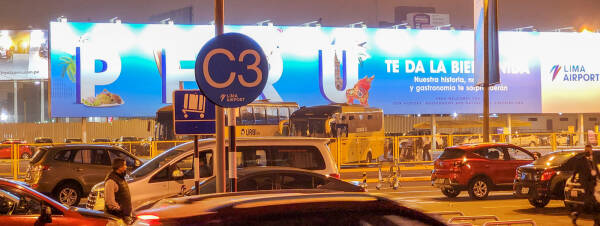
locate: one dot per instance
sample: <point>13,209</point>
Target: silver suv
<point>68,172</point>
<point>171,172</point>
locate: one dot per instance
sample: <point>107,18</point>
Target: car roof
<point>480,145</point>
<point>214,202</point>
<point>272,169</point>
<point>255,205</point>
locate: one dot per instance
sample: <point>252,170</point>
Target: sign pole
<point>196,165</point>
<point>231,112</point>
<point>220,114</point>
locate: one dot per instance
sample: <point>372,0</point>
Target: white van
<point>161,176</point>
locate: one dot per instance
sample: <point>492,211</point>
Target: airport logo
<point>555,71</point>
<point>574,73</point>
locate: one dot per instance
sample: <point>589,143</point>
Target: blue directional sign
<point>193,114</point>
<point>231,70</point>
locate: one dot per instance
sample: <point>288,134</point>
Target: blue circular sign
<point>231,70</point>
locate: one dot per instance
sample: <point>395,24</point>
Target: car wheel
<point>450,192</point>
<point>532,144</point>
<point>479,188</point>
<point>539,202</point>
<point>25,156</point>
<point>68,194</point>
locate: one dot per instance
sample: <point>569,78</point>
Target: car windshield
<point>156,162</point>
<point>555,159</point>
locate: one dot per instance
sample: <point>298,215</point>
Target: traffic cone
<point>380,178</point>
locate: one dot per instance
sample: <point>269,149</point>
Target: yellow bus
<point>259,118</point>
<point>360,129</point>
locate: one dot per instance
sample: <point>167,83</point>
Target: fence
<point>355,151</point>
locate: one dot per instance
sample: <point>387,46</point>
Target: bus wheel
<point>369,157</point>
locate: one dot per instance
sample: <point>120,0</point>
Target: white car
<point>162,176</point>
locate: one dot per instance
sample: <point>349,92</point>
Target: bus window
<point>272,118</point>
<point>260,116</point>
<point>284,114</point>
<point>247,115</point>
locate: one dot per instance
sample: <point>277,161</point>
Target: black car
<point>272,178</point>
<point>283,208</point>
<point>545,178</point>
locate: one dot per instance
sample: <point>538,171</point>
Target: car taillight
<point>335,175</point>
<point>148,218</point>
<point>547,175</point>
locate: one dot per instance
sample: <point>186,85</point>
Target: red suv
<point>478,168</point>
<point>25,151</point>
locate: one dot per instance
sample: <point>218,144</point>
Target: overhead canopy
<point>461,124</point>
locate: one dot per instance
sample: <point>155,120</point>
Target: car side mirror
<point>177,174</point>
<point>46,216</point>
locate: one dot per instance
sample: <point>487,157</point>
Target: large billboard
<point>131,70</point>
<point>23,54</point>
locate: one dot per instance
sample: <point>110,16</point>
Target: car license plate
<point>573,193</point>
<point>524,190</point>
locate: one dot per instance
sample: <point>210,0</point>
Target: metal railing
<point>354,151</point>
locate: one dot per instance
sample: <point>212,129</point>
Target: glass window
<point>492,154</point>
<point>261,182</point>
<point>284,114</point>
<point>451,153</point>
<point>64,155</point>
<point>83,156</point>
<point>247,116</point>
<point>114,154</point>
<point>272,118</point>
<point>100,157</point>
<point>300,181</point>
<point>298,157</point>
<point>161,176</point>
<point>516,154</point>
<point>186,166</point>
<point>27,204</point>
<point>351,117</point>
<point>260,116</point>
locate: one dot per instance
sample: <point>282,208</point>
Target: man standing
<point>588,172</point>
<point>116,192</point>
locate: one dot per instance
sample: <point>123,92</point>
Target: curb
<point>402,179</point>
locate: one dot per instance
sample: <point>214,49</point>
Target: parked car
<point>68,172</point>
<point>25,151</point>
<point>133,145</point>
<point>545,178</point>
<point>526,140</point>
<point>157,178</point>
<point>21,205</point>
<point>42,140</point>
<point>478,168</point>
<point>101,140</point>
<point>283,208</point>
<point>268,178</point>
<point>73,140</point>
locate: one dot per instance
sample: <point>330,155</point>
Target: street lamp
<point>398,26</point>
<point>362,24</point>
<point>262,23</point>
<point>564,29</point>
<point>528,28</point>
<point>62,19</point>
<point>316,23</point>
<point>168,21</point>
<point>115,20</point>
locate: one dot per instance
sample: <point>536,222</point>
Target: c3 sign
<point>231,70</point>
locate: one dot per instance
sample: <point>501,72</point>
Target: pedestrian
<point>426,154</point>
<point>587,170</point>
<point>116,192</point>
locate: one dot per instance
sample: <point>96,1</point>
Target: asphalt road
<point>424,197</point>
